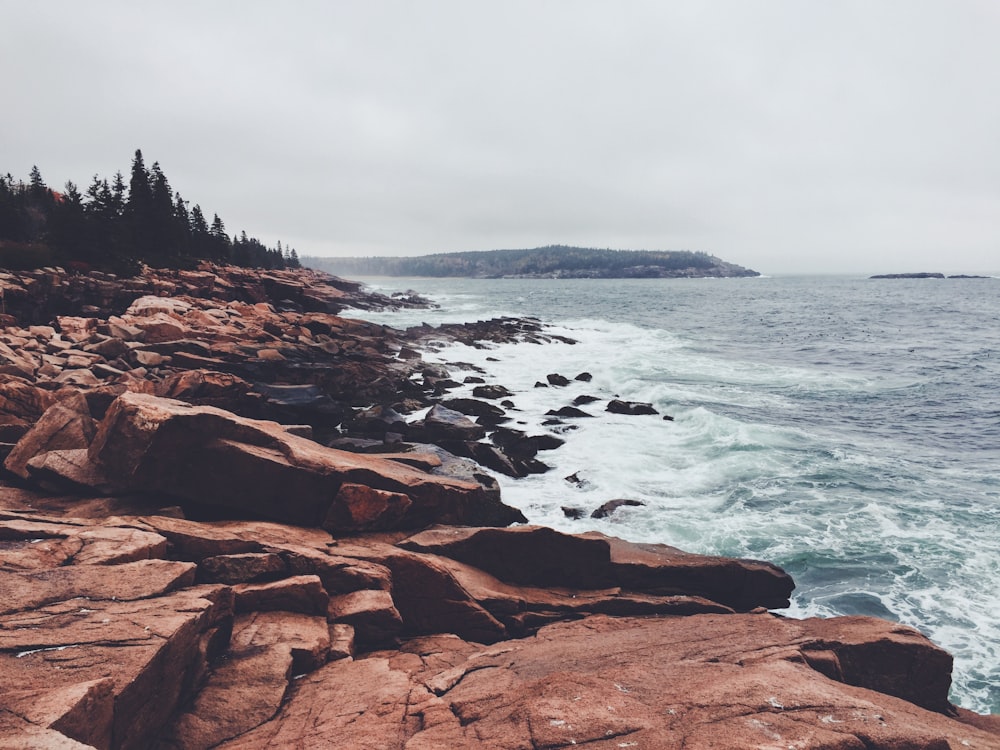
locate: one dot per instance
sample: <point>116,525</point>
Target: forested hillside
<point>116,226</point>
<point>553,261</point>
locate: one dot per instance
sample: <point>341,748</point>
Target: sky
<point>788,136</point>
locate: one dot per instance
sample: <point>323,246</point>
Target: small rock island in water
<point>924,275</point>
<point>551,262</point>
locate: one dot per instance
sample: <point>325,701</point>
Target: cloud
<point>786,136</point>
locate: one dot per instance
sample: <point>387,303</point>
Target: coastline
<point>253,359</point>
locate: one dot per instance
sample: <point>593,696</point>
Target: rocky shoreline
<point>231,517</point>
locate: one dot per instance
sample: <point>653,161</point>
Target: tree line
<point>117,226</point>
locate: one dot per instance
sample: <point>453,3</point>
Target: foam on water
<point>797,462</point>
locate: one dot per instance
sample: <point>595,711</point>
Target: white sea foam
<point>819,468</point>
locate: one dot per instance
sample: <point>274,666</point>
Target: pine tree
<point>37,184</point>
<point>140,196</point>
<point>118,193</point>
<point>138,211</point>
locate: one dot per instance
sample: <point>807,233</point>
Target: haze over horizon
<point>787,137</point>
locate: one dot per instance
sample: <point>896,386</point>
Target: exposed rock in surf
<point>490,391</point>
<point>568,411</point>
<point>616,406</point>
<point>612,505</point>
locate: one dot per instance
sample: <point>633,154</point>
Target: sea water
<point>846,429</point>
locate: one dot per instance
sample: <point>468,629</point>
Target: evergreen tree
<point>182,224</point>
<point>118,193</point>
<point>37,184</point>
<point>221,243</point>
<point>139,211</point>
<point>140,196</point>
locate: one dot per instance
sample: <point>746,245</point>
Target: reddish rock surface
<point>182,567</point>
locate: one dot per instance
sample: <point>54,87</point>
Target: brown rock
<point>540,556</point>
<point>532,555</point>
<point>706,681</point>
<point>661,569</point>
<point>428,596</point>
<point>341,641</point>
<point>65,425</point>
<point>211,457</point>
<point>16,364</point>
<point>359,507</point>
<point>249,685</point>
<point>69,470</point>
<point>304,594</point>
<point>191,540</point>
<point>242,568</point>
<point>371,613</point>
<point>149,649</point>
<point>32,545</point>
<point>22,401</point>
<point>523,609</point>
<point>77,716</point>
<point>24,590</point>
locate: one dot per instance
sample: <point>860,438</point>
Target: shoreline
<point>87,446</point>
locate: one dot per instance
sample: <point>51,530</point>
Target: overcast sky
<point>789,136</point>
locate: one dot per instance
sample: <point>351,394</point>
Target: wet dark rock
<point>408,353</point>
<point>616,406</point>
<point>557,379</point>
<point>475,408</point>
<point>540,384</point>
<point>377,420</point>
<point>356,444</point>
<point>469,379</point>
<point>568,411</point>
<point>585,377</point>
<point>490,391</point>
<point>519,444</point>
<point>584,399</point>
<point>612,505</point>
<point>440,387</point>
<point>442,423</point>
<point>573,513</point>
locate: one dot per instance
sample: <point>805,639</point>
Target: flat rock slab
<point>148,651</point>
<point>143,579</point>
<point>539,556</point>
<point>700,682</point>
<point>31,545</point>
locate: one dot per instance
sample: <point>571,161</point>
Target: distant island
<point>550,262</point>
<point>924,275</point>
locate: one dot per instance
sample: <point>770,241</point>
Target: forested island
<point>552,261</point>
<point>117,226</point>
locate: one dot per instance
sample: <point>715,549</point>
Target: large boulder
<point>699,682</point>
<point>212,458</point>
<point>539,556</point>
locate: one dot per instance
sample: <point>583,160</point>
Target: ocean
<point>846,429</point>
